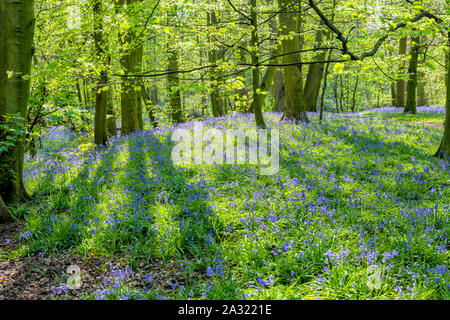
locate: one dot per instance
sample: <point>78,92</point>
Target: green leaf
<point>338,67</point>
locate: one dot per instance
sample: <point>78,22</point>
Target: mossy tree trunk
<point>290,23</point>
<point>411,89</point>
<point>16,50</point>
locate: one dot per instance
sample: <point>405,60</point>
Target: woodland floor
<point>30,274</point>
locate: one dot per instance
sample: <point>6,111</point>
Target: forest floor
<point>358,210</point>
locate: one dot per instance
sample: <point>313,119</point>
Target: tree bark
<point>214,54</point>
<point>354,93</point>
<point>16,50</point>
<point>173,84</point>
<point>257,96</point>
<point>393,94</point>
<point>314,76</point>
<point>421,93</point>
<point>101,96</point>
<point>129,63</point>
<point>290,22</point>
<point>324,88</point>
<point>444,148</point>
<point>401,83</point>
<point>278,90</point>
<point>411,89</point>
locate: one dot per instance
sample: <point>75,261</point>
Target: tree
<point>214,54</point>
<point>401,83</point>
<point>173,84</point>
<point>254,54</point>
<point>444,147</point>
<point>16,50</point>
<point>411,88</point>
<point>292,70</point>
<point>102,94</point>
<point>314,76</point>
<point>129,61</point>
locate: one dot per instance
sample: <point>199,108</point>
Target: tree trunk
<point>173,84</point>
<point>16,50</point>
<point>314,77</point>
<point>393,94</point>
<point>411,103</point>
<point>290,23</point>
<point>138,85</point>
<point>5,213</point>
<point>324,88</point>
<point>444,148</point>
<point>101,96</point>
<point>421,93</point>
<point>129,63</point>
<point>148,103</point>
<point>241,96</point>
<point>214,54</point>
<point>257,96</point>
<point>401,83</point>
<point>336,93</point>
<point>110,115</point>
<point>354,93</point>
<point>327,66</point>
<point>268,78</point>
<point>278,90</point>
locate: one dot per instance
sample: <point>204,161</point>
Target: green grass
<point>427,117</point>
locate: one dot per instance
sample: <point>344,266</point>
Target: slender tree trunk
<point>173,85</point>
<point>147,101</point>
<point>325,80</point>
<point>129,63</point>
<point>336,100</point>
<point>110,115</point>
<point>269,73</point>
<point>401,83</point>
<point>289,23</point>
<point>214,54</point>
<point>354,94</point>
<point>314,76</point>
<point>241,96</point>
<point>138,88</point>
<point>257,97</point>
<point>101,96</point>
<point>411,89</point>
<point>16,51</point>
<point>393,94</point>
<point>341,93</point>
<point>324,88</point>
<point>278,90</point>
